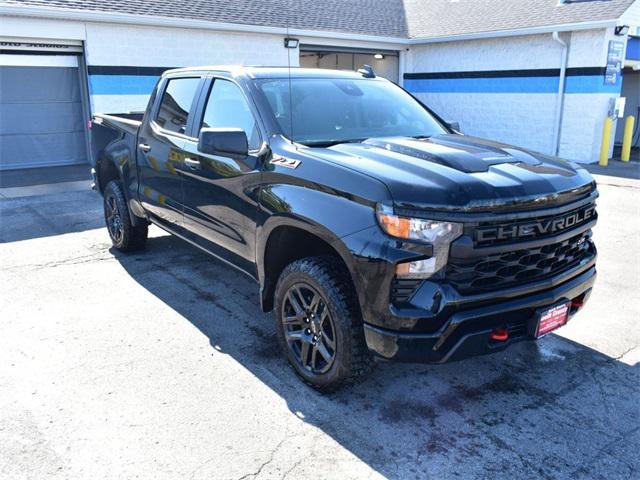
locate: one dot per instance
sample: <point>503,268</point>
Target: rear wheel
<point>319,324</point>
<point>124,234</point>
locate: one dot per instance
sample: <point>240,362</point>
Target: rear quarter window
<point>176,103</point>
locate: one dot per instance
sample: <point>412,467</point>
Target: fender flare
<point>122,168</point>
<point>311,227</point>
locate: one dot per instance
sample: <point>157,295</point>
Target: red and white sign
<point>553,318</point>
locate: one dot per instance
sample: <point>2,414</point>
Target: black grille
<point>518,267</point>
<point>579,216</point>
<point>403,289</point>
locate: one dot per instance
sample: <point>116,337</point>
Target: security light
<point>378,56</point>
<point>291,42</point>
<point>621,30</point>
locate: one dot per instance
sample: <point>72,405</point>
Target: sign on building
<point>614,62</point>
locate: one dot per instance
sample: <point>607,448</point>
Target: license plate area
<point>549,319</point>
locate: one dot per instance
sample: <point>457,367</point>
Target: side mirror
<point>453,126</point>
<point>225,142</point>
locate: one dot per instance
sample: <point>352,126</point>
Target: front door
<point>219,203</point>
<point>160,156</point>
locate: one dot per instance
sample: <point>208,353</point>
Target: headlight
<point>435,232</point>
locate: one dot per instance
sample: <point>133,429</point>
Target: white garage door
<point>384,63</point>
<point>41,120</point>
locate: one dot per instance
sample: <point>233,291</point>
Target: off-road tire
<point>124,235</point>
<point>327,276</point>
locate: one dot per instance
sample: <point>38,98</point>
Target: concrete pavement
<point>160,365</point>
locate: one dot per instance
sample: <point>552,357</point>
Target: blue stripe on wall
<point>122,84</point>
<point>591,84</point>
<point>574,84</point>
<point>143,84</point>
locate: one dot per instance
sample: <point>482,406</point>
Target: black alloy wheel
<point>319,324</point>
<point>309,328</point>
<point>113,218</point>
<point>125,235</point>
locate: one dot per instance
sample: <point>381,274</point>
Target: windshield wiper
<point>331,143</point>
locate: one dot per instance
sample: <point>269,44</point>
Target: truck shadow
<point>552,409</point>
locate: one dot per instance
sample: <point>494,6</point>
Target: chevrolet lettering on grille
<point>537,228</point>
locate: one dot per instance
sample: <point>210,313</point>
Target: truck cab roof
<point>267,72</point>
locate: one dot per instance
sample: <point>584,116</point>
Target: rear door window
<point>176,103</point>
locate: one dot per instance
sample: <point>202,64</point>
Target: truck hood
<point>458,172</point>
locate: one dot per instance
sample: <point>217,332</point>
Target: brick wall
<point>524,118</point>
<point>138,46</point>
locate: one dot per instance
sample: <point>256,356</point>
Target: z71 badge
<point>285,162</point>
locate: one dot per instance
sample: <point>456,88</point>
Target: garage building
<point>542,74</point>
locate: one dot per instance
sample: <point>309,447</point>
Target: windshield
<point>335,110</point>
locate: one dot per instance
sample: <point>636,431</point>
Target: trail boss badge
<point>285,162</point>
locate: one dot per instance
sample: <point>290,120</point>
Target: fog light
<point>418,269</point>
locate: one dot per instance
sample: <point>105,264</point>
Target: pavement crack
<point>80,260</point>
<point>617,185</point>
<point>605,448</point>
<point>625,353</point>
<point>298,462</point>
<point>250,474</point>
<point>264,464</point>
<point>293,467</point>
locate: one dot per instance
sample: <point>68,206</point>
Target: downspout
<point>560,101</point>
<point>402,65</point>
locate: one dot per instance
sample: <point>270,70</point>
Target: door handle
<point>192,163</point>
<point>144,147</point>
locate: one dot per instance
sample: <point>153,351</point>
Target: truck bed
<point>110,127</point>
<point>129,121</point>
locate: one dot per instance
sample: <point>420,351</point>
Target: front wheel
<point>319,324</point>
<point>124,234</point>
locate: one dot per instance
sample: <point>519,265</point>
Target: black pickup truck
<point>370,224</point>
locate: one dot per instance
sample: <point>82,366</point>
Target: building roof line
<point>160,21</point>
<point>565,27</point>
<point>61,13</point>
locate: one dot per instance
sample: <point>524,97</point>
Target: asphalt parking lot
<point>160,365</point>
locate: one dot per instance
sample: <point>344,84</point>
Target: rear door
<point>219,204</point>
<point>160,143</point>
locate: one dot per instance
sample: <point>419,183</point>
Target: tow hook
<point>499,334</point>
<point>577,302</point>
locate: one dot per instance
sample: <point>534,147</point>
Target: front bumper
<point>467,332</point>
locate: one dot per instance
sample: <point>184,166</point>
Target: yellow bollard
<point>626,139</point>
<point>606,142</point>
